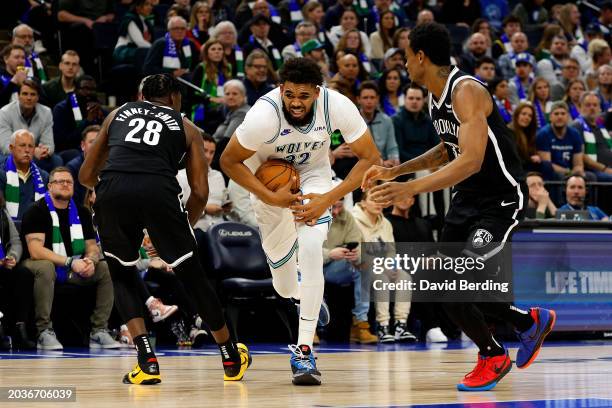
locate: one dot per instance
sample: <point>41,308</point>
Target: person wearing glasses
<point>258,81</point>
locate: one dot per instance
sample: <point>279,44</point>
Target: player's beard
<point>298,122</point>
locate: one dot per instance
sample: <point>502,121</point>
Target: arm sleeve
<point>136,36</point>
<point>345,117</point>
<point>261,123</point>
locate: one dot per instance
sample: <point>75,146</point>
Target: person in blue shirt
<point>575,195</point>
<point>560,146</point>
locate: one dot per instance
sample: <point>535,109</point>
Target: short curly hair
<point>434,40</point>
<point>301,71</point>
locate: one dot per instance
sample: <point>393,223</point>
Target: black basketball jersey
<point>501,166</point>
<point>146,138</point>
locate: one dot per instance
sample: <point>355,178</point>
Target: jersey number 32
<point>151,134</point>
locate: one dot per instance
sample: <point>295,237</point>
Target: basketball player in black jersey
<point>136,156</point>
<point>479,159</point>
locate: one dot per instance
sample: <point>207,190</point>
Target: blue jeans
<point>343,272</point>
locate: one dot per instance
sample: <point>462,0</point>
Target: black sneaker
<point>21,341</point>
<point>402,334</point>
<point>384,335</point>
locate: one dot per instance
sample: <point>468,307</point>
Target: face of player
<point>486,71</point>
<point>61,187</point>
<point>23,149</point>
<point>298,100</point>
<point>209,151</point>
<point>28,98</point>
<point>414,65</point>
<point>15,59</point>
<point>575,191</point>
<point>525,116</point>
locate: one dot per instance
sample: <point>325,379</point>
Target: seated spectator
<point>539,96</point>
<point>524,128</point>
<point>21,180</point>
<point>349,20</point>
<point>259,39</point>
<point>600,56</point>
<point>550,68</point>
<point>61,246</point>
<point>605,19</point>
<point>559,146</point>
<point>58,88</point>
<point>476,49</point>
<point>242,209</point>
<point>235,106</point>
<point>377,229</point>
<point>77,19</point>
<point>17,281</point>
<point>604,87</point>
<point>225,32</point>
<point>340,266</point>
<point>483,26</point>
<point>414,131</point>
<point>87,139</point>
<point>542,51</point>
<point>313,12</point>
<point>519,84</point>
<point>597,142</point>
<point>201,23</point>
<point>575,195</point>
<point>507,62</point>
<point>531,13</point>
<point>24,35</point>
<point>540,206</point>
<point>315,51</point>
<point>392,97</point>
<point>382,39</point>
<point>394,58</point>
<point>71,116</point>
<point>569,20</point>
<point>347,79</point>
<point>400,38</point>
<point>380,125</point>
<point>13,73</point>
<point>366,18</point>
<point>173,53</point>
<point>425,17</point>
<point>501,96</point>
<point>258,81</point>
<point>570,71</point>
<point>352,42</point>
<point>210,75</point>
<point>575,89</point>
<point>484,69</point>
<point>135,34</point>
<point>277,34</point>
<point>305,31</point>
<point>510,26</point>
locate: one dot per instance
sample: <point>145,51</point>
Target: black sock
<point>146,356</point>
<point>507,312</point>
<point>229,352</point>
<point>492,349</point>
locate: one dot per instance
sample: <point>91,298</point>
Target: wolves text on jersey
<point>299,153</point>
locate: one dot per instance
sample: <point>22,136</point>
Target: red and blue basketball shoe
<point>532,339</point>
<point>487,373</point>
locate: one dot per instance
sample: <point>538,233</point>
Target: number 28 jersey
<point>266,131</point>
<point>146,138</point>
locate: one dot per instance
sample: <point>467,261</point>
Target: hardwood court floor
<point>357,378</point>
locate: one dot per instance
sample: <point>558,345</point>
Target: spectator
<point>539,96</point>
<point>61,246</point>
<point>21,181</point>
<point>600,54</point>
<point>24,35</point>
<point>79,110</point>
<point>484,69</point>
<point>559,146</point>
<point>570,71</point>
<point>604,87</point>
<point>597,142</point>
<point>540,206</point>
<point>390,85</point>
<point>521,82</point>
<point>414,7</point>
<point>58,88</point>
<point>507,62</point>
<point>549,67</point>
<point>340,266</point>
<point>135,34</point>
<point>400,38</point>
<point>26,113</point>
<point>483,26</point>
<point>234,96</point>
<point>575,89</point>
<point>277,33</point>
<point>315,51</point>
<point>348,22</point>
<point>569,20</point>
<point>580,51</point>
<point>575,195</point>
<point>210,75</point>
<point>352,42</point>
<point>501,93</point>
<point>77,19</point>
<point>313,12</point>
<point>605,19</point>
<point>257,81</point>
<point>366,19</point>
<point>460,13</point>
<point>201,23</point>
<point>225,33</point>
<point>531,13</point>
<point>291,12</point>
<point>550,32</point>
<point>89,135</point>
<point>414,130</point>
<point>380,125</point>
<point>377,229</point>
<point>347,79</point>
<point>425,17</point>
<point>242,210</point>
<point>305,31</point>
<point>260,28</point>
<point>381,6</point>
<point>382,39</point>
<point>173,53</point>
<point>13,74</point>
<point>510,26</point>
<point>524,128</point>
<point>394,59</point>
<point>477,48</point>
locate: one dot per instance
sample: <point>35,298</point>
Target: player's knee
<point>284,287</point>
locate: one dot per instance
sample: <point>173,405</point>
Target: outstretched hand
<point>374,174</point>
<point>391,193</point>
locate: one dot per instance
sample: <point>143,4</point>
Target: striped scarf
<point>11,190</point>
<point>171,59</point>
<point>40,70</point>
<point>590,144</point>
<point>76,235</point>
<point>239,61</point>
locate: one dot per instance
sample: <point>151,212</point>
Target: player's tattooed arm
<point>435,157</point>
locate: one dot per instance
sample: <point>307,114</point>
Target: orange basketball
<point>276,173</point>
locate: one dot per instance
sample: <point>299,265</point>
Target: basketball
<point>276,173</point>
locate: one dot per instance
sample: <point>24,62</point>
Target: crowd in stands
<point>67,63</point>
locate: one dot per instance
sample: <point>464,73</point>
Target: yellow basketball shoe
<point>145,377</point>
<point>234,373</point>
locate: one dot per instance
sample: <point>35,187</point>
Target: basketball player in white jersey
<point>294,122</point>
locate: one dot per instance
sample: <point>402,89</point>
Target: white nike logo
<point>504,204</point>
<point>448,105</point>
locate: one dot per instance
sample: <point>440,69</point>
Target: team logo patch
<point>285,132</point>
<point>482,238</point>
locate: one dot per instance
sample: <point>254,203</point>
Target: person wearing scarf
<point>61,245</point>
<point>225,32</point>
<point>305,31</point>
<point>23,35</point>
<point>259,26</point>
<point>13,73</point>
<point>21,181</point>
<point>520,83</point>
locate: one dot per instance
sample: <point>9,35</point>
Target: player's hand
<point>309,213</point>
<point>374,174</point>
<point>391,193</point>
<point>283,197</point>
<point>338,253</point>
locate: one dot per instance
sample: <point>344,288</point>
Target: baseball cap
<point>524,57</point>
<point>311,45</point>
<point>391,52</point>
